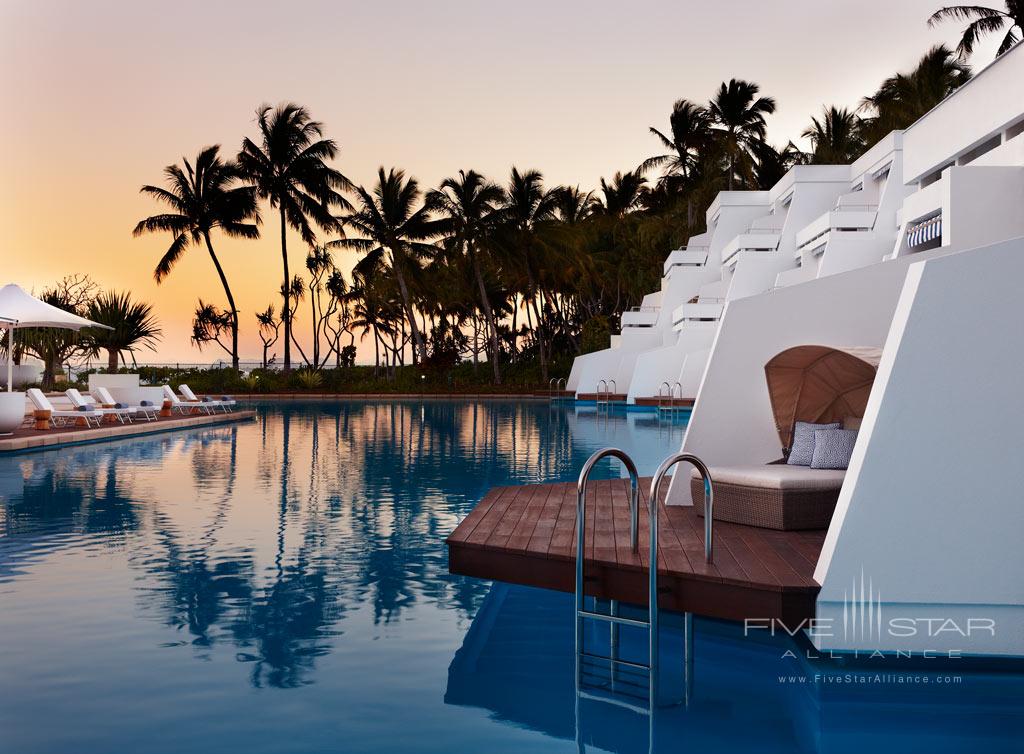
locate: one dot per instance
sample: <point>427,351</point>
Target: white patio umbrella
<point>19,308</point>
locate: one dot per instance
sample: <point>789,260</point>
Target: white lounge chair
<point>222,403</point>
<point>79,402</point>
<point>42,403</point>
<point>183,406</point>
<point>103,396</point>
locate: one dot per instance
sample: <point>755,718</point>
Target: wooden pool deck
<point>527,535</point>
<point>27,437</point>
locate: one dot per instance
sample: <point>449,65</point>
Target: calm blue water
<point>282,586</point>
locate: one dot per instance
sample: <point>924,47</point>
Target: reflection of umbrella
<point>819,384</point>
<point>21,309</point>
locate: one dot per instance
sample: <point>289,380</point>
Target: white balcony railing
<point>641,316</point>
<point>924,202</point>
<point>701,311</point>
<point>758,242</point>
<point>689,256</point>
<point>768,224</point>
<point>794,276</point>
<point>847,219</point>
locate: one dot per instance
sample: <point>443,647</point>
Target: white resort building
<point>913,254</point>
<point>949,182</point>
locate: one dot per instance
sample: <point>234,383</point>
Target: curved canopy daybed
<point>809,383</point>
<point>819,384</point>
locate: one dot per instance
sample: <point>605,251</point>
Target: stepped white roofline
<point>991,99</point>
<point>815,222</point>
<point>735,199</point>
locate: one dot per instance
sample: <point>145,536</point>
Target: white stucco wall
<point>732,421</point>
<point>933,506</point>
<point>993,193</point>
<point>666,364</point>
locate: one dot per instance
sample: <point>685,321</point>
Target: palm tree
<point>771,164</point>
<point>208,323</point>
<point>134,325</point>
<point>203,197</point>
<point>469,204</point>
<point>527,205</point>
<point>369,309</point>
<point>269,330</point>
<point>903,98</point>
<point>394,230</point>
<point>625,193</point>
<point>835,139</point>
<point>983,21</point>
<point>739,117</point>
<point>689,131</point>
<point>572,206</point>
<point>288,168</point>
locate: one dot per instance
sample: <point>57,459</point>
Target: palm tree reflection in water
<point>266,537</point>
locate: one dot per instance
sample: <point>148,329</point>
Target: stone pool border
<point>55,438</point>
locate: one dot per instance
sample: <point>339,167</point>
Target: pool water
<point>282,586</point>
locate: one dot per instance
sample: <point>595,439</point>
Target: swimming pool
<point>282,586</point>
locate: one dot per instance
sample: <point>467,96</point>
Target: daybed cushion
<point>777,476</point>
<point>802,451</point>
<point>833,448</point>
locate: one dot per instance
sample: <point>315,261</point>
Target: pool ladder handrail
<point>709,505</point>
<point>669,395</point>
<point>609,390</point>
<point>656,482</point>
<point>553,387</point>
<point>613,618</point>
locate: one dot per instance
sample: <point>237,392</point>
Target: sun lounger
<point>225,402</point>
<point>42,403</point>
<point>104,398</point>
<point>183,406</point>
<point>773,496</point>
<point>79,402</point>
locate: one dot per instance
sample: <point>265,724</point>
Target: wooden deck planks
<point>527,535</point>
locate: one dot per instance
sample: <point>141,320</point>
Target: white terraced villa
<point>949,182</point>
<point>912,258</point>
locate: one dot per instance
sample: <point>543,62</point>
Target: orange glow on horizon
<point>101,96</point>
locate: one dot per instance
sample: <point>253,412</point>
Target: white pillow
<point>803,442</point>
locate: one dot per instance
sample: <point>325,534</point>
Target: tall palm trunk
<point>376,351</point>
<point>231,302</point>
<point>515,324</point>
<point>419,349</point>
<point>286,289</point>
<point>540,327</point>
<point>492,326</point>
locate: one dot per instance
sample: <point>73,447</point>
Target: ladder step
<point>620,687</point>
<point>603,658</point>
<point>613,619</point>
<point>616,702</point>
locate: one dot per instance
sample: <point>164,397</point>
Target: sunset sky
<point>98,97</point>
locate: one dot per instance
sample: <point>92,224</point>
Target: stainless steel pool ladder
<point>609,390</point>
<point>556,386</point>
<point>612,617</point>
<point>667,396</point>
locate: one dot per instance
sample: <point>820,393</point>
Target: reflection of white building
<point>919,251</point>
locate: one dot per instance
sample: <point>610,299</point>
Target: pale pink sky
<point>98,97</point>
